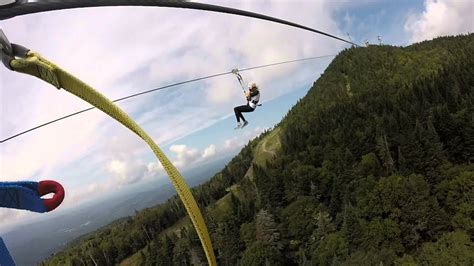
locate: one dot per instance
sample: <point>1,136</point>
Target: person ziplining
<point>252,96</point>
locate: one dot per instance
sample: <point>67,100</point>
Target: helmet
<point>252,85</point>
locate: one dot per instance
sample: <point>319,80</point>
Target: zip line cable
<point>161,88</point>
<point>24,7</point>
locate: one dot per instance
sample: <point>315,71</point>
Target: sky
<point>125,50</point>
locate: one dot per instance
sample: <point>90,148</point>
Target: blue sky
<point>92,155</point>
<point>385,18</point>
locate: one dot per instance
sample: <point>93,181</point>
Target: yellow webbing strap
<point>39,67</point>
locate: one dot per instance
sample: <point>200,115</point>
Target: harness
<point>252,99</point>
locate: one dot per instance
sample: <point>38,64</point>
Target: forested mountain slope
<point>374,164</point>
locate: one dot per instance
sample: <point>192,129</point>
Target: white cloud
<point>155,167</point>
<point>187,156</point>
<point>9,216</point>
<point>118,168</point>
<point>209,151</point>
<point>86,193</point>
<point>127,172</point>
<point>239,142</point>
<point>184,155</point>
<point>441,17</point>
<point>47,148</point>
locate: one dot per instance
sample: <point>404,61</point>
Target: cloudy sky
<point>126,50</point>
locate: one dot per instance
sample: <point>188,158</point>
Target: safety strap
<point>236,72</point>
<point>241,80</point>
<point>34,64</point>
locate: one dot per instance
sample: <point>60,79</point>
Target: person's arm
<point>254,93</point>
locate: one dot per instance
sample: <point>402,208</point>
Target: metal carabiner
<point>9,51</point>
<point>7,2</point>
<point>5,45</point>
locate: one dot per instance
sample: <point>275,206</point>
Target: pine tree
<point>266,228</point>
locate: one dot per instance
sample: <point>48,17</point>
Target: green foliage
<point>266,229</point>
<point>370,165</point>
<point>298,178</point>
<point>228,242</point>
<point>453,248</point>
<point>165,252</point>
<point>181,252</point>
<point>406,260</point>
<point>457,196</point>
<point>260,253</point>
<point>332,249</point>
<point>299,218</point>
<point>247,233</point>
<point>269,188</point>
<point>379,256</point>
<point>406,203</point>
<point>324,226</point>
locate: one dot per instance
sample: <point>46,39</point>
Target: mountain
<point>373,166</point>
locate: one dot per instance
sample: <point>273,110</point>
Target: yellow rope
<point>39,67</point>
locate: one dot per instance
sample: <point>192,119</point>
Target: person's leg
<point>238,112</point>
<point>245,109</point>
